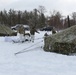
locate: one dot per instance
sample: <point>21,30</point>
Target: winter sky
<point>66,7</point>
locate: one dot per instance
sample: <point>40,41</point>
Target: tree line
<point>37,17</point>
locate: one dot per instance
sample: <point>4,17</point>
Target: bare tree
<point>74,17</point>
<point>42,9</point>
<point>55,19</point>
<point>42,19</point>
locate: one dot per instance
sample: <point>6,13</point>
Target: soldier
<point>53,31</point>
<point>21,32</point>
<point>32,32</point>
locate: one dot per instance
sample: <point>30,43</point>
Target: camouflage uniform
<point>32,32</point>
<point>21,32</point>
<point>53,31</point>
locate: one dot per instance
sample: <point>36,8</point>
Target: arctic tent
<point>6,31</point>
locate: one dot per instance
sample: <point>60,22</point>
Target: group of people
<point>23,36</point>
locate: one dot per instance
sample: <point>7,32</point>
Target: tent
<point>6,31</point>
<point>63,42</point>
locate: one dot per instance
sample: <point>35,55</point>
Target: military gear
<point>21,30</point>
<point>33,30</point>
<point>53,31</point>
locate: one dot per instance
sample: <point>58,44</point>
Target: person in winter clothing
<point>21,32</point>
<point>32,33</point>
<point>53,31</point>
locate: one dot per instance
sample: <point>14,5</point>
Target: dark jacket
<point>33,30</point>
<point>53,31</point>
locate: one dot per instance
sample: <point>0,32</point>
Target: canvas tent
<point>6,31</point>
<point>63,42</point>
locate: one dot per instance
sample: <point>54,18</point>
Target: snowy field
<point>34,61</point>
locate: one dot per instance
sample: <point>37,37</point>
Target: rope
<point>28,50</point>
<point>23,50</point>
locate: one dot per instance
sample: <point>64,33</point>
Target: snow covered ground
<point>35,61</point>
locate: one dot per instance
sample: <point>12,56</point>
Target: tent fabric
<point>5,30</point>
